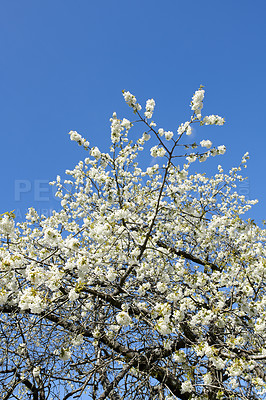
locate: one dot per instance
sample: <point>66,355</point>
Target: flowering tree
<point>146,285</point>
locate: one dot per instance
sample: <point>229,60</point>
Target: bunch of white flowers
<point>186,387</point>
<point>76,137</point>
<point>213,120</point>
<point>197,102</point>
<point>206,143</point>
<point>131,101</point>
<point>123,318</point>
<point>185,127</point>
<point>168,135</point>
<point>150,104</point>
<point>6,225</point>
<point>95,152</point>
<point>126,124</point>
<point>157,151</point>
<point>116,128</point>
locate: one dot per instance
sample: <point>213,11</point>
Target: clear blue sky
<point>64,64</point>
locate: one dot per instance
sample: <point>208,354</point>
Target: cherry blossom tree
<point>146,285</point>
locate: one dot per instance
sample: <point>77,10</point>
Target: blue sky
<point>64,64</point>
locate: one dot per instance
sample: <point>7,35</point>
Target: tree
<point>146,285</point>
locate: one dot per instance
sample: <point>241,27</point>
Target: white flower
<point>95,152</point>
<point>234,383</point>
<point>206,143</point>
<point>73,295</point>
<point>192,157</point>
<point>168,135</point>
<point>149,108</point>
<point>146,136</point>
<point>179,356</point>
<point>203,157</point>
<point>207,379</point>
<point>72,243</point>
<point>186,387</point>
<point>64,354</point>
<point>161,131</point>
<point>123,318</point>
<point>164,326</point>
<point>3,297</point>
<point>75,136</point>
<point>260,326</point>
<point>218,362</point>
<point>32,301</point>
<point>157,151</point>
<point>111,275</point>
<point>131,100</point>
<point>116,128</point>
<point>213,120</point>
<point>126,124</point>
<point>184,128</point>
<point>6,225</point>
<point>51,237</point>
<point>78,340</point>
<point>189,131</point>
<point>198,96</point>
<point>96,333</point>
<point>161,287</point>
<point>161,152</point>
<point>196,104</point>
<point>221,149</point>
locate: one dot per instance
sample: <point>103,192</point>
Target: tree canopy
<point>147,284</point>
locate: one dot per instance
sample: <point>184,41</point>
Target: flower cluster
<point>123,318</point>
<point>213,120</point>
<point>150,104</point>
<point>197,102</point>
<point>131,100</point>
<point>185,127</point>
<point>157,151</point>
<point>76,137</point>
<point>206,143</point>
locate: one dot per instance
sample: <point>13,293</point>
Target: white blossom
<point>6,225</point>
<point>126,124</point>
<point>157,151</point>
<point>73,295</point>
<point>64,354</point>
<point>76,137</point>
<point>168,135</point>
<point>221,149</point>
<point>150,104</point>
<point>197,102</point>
<point>186,387</point>
<point>95,152</point>
<point>131,100</point>
<point>123,318</point>
<point>213,120</point>
<point>206,143</point>
<point>207,379</point>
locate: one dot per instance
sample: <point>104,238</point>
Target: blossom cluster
<point>131,101</point>
<point>76,137</point>
<point>197,102</point>
<point>150,104</point>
